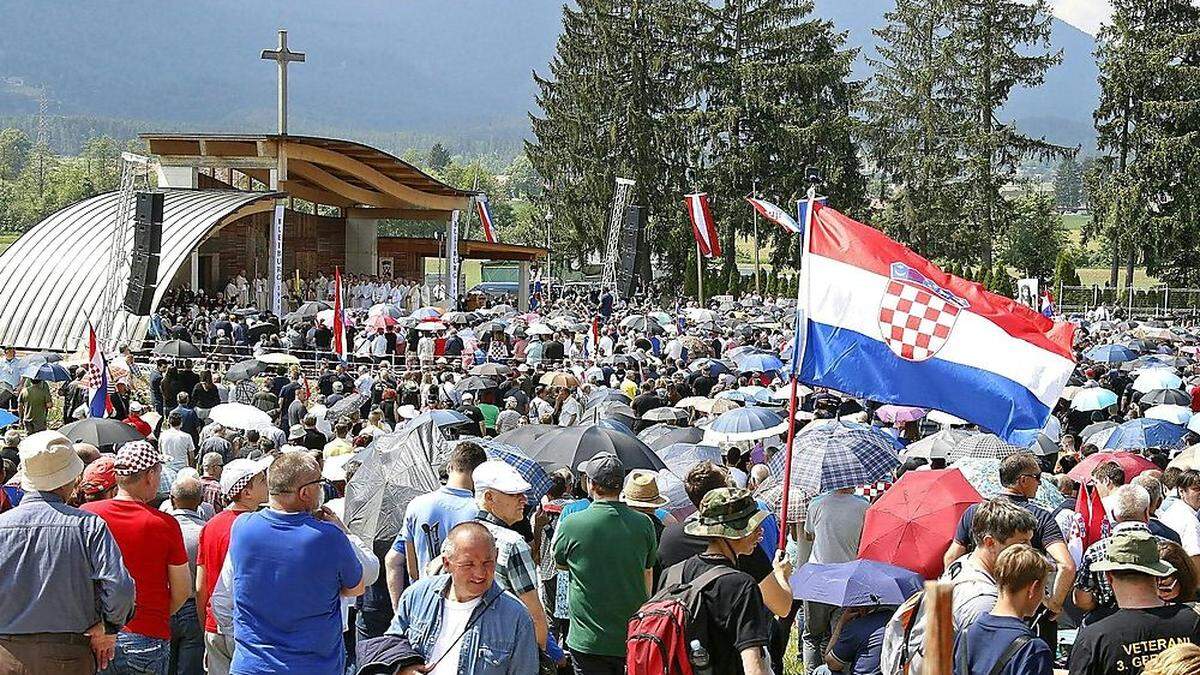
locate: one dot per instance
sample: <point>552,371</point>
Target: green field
<point>6,240</point>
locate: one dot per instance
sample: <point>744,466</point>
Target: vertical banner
<point>452,260</point>
<point>277,261</point>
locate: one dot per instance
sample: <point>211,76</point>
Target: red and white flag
<point>702,224</point>
<point>339,318</point>
<point>775,214</point>
<point>485,218</point>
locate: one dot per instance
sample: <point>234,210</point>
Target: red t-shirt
<point>210,554</point>
<point>150,540</point>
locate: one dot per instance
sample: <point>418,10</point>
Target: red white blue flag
<point>702,225</point>
<point>99,404</point>
<point>884,323</point>
<point>775,214</point>
<point>485,218</point>
<point>339,316</point>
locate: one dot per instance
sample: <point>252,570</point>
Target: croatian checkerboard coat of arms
<point>917,316</point>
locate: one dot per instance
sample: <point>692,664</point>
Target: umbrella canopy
<point>523,436</point>
<point>1175,414</point>
<point>100,431</point>
<point>178,349</point>
<point>700,315</point>
<point>385,309</point>
<point>490,370</point>
<point>745,424</point>
<point>7,418</point>
<point>473,384</point>
<point>239,416</point>
<point>380,322</point>
<point>1188,459</point>
<point>279,359</point>
<point>858,583</point>
<point>533,473</point>
<point>681,457</point>
<point>609,410</point>
<point>243,370</point>
<point>1130,463</point>
<point>982,446</point>
<point>1193,424</point>
<point>560,379</point>
<point>395,470</point>
<point>938,445</point>
<point>713,406</point>
<point>255,332</point>
<point>1110,354</point>
<point>663,435</point>
<point>46,372</point>
<point>984,476</point>
<point>835,456</point>
<point>666,414</point>
<point>1156,379</point>
<point>349,405</point>
<point>1095,428</point>
<point>758,362</point>
<point>1165,397</point>
<point>1094,398</point>
<point>426,314</point>
<point>458,318</point>
<point>900,414</point>
<point>431,326</point>
<point>443,419</point>
<point>308,311</point>
<point>1140,433</point>
<point>945,419</point>
<point>601,395</point>
<point>569,446</point>
<point>638,323</point>
<point>713,367</point>
<point>911,523</point>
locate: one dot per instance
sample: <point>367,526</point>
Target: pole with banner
<point>452,263</point>
<point>277,261</point>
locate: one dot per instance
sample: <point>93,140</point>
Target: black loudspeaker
<point>147,222</point>
<point>143,279</point>
<point>635,220</point>
<point>147,241</point>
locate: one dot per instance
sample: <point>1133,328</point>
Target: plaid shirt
<point>515,569</point>
<point>1094,582</point>
<point>212,493</point>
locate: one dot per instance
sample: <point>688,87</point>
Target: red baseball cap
<point>99,476</point>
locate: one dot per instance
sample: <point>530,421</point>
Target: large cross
<point>282,56</point>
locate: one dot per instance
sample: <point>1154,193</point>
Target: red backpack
<point>660,631</point>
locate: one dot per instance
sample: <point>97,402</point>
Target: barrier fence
<point>1132,300</point>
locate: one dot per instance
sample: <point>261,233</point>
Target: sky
<point>1084,14</point>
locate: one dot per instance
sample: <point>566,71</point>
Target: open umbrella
<point>982,446</point>
<point>307,311</point>
<point>601,395</point>
<point>492,370</point>
<point>1110,354</point>
<point>279,359</point>
<point>835,456</point>
<point>239,416</point>
<point>539,329</point>
<point>984,476</point>
<point>350,405</point>
<point>713,367</point>
<point>1094,398</point>
<point>431,326</point>
<point>858,583</point>
<point>1156,379</point>
<point>243,370</point>
<point>7,418</point>
<point>666,414</point>
<point>1095,428</point>
<point>900,414</point>
<point>1130,463</point>
<point>1140,433</point>
<point>663,435</point>
<point>570,446</point>
<point>46,372</point>
<point>1193,424</point>
<point>559,379</point>
<point>715,406</point>
<point>758,362</point>
<point>255,332</point>
<point>100,431</point>
<point>385,309</point>
<point>1188,459</point>
<point>609,410</point>
<point>1165,397</point>
<point>178,349</point>
<point>380,322</point>
<point>745,424</point>
<point>937,445</point>
<point>911,523</point>
<point>1175,414</point>
<point>458,318</point>
<point>474,384</point>
<point>523,436</point>
<point>533,473</point>
<point>395,469</point>
<point>426,314</point>
<point>945,419</point>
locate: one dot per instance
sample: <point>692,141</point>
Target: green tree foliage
<point>1034,239</point>
<point>14,152</point>
<point>439,157</point>
<point>1068,184</point>
<point>1065,271</point>
<point>35,183</point>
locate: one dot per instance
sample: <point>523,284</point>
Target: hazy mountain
<point>452,68</point>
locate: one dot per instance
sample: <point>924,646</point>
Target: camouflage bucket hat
<point>725,513</point>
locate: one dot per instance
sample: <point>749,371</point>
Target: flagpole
<point>757,290</point>
<point>801,330</point>
<point>699,275</point>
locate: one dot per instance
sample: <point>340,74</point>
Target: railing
<point>1131,300</point>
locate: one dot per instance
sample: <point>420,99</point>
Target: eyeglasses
<point>311,482</point>
<point>1035,476</point>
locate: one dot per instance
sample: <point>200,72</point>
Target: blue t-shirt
<point>988,638</point>
<point>770,528</point>
<point>429,519</point>
<point>860,644</point>
<point>289,571</point>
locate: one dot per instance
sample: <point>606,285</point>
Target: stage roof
<point>366,181</point>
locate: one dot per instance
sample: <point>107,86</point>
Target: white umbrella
<point>278,359</point>
<point>1175,414</point>
<point>539,329</point>
<point>431,326</point>
<point>945,419</point>
<point>1157,378</point>
<point>239,416</point>
<point>385,309</point>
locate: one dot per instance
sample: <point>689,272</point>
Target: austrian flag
<point>702,225</point>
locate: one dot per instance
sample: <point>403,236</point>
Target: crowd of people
<point>223,547</point>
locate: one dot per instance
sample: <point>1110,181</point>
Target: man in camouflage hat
<point>737,622</point>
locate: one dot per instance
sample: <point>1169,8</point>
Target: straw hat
<point>641,490</point>
<point>48,461</point>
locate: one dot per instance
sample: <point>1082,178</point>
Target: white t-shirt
<point>1177,515</point>
<point>176,444</point>
<point>455,616</point>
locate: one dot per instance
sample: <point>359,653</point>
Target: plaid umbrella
<point>835,456</point>
<point>982,446</point>
<point>771,492</point>
<point>346,407</point>
<point>531,471</point>
<point>984,476</point>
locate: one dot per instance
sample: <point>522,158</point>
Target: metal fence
<point>1132,300</point>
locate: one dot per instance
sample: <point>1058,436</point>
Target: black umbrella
<point>258,330</point>
<point>524,435</point>
<point>601,395</point>
<point>609,410</point>
<point>100,431</point>
<point>1165,397</point>
<point>474,383</point>
<point>349,405</point>
<point>660,436</point>
<point>569,446</point>
<point>178,349</point>
<point>243,370</point>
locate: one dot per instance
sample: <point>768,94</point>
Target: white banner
<point>1027,293</point>
<point>277,261</point>
<point>452,262</point>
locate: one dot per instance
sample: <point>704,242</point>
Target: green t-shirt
<point>489,412</point>
<point>36,399</point>
<point>607,547</point>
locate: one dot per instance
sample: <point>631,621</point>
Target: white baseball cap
<point>499,476</point>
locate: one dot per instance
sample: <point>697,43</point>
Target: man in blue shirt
<point>856,644</point>
<point>429,518</point>
<point>1000,642</point>
<point>290,565</point>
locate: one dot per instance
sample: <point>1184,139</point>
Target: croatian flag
<point>1048,308</point>
<point>702,225</point>
<point>339,316</point>
<point>775,214</point>
<point>98,403</point>
<point>802,208</point>
<point>485,217</point>
<point>884,323</point>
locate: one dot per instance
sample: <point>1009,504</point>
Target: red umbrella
<point>380,321</point>
<point>913,522</point>
<point>1131,463</point>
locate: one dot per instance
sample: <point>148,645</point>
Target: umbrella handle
<point>787,465</point>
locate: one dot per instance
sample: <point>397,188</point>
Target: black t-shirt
<point>643,403</point>
<point>732,613</point>
<point>1121,644</point>
<point>552,351</point>
<point>314,439</point>
<point>675,546</point>
<point>1047,532</point>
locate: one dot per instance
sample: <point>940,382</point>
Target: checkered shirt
<point>515,569</point>
<point>1095,582</point>
<point>135,457</point>
<point>914,322</point>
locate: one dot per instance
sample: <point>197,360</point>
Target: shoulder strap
<point>910,622</point>
<point>1010,652</point>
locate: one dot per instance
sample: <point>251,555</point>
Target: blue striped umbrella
<point>1140,433</point>
<point>835,456</point>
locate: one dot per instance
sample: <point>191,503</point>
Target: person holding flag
<point>99,404</point>
<point>339,316</point>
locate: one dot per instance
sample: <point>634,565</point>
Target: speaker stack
<point>635,221</point>
<point>147,241</point>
